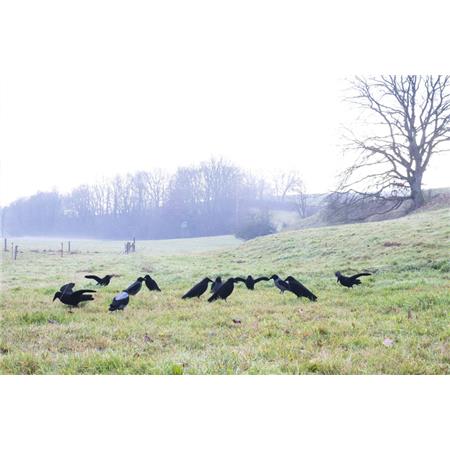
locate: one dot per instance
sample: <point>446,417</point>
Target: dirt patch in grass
<point>391,244</point>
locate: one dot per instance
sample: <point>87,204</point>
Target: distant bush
<point>258,224</point>
<point>341,208</point>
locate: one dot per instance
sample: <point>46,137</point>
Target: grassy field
<point>397,322</point>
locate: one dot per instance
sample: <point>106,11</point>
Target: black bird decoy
<point>250,281</point>
<point>280,284</point>
<point>352,280</point>
<point>299,289</point>
<point>135,287</point>
<point>119,302</point>
<point>199,289</point>
<point>101,281</point>
<point>216,285</point>
<point>72,298</point>
<point>225,290</point>
<point>151,284</point>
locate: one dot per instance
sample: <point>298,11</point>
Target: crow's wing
<point>152,285</point>
<point>283,283</point>
<point>278,283</point>
<point>257,280</point>
<point>83,291</point>
<point>305,290</point>
<point>94,277</point>
<point>238,279</point>
<point>119,301</point>
<point>133,286</point>
<point>121,296</point>
<point>293,282</point>
<point>85,297</point>
<point>67,288</point>
<point>223,290</point>
<point>363,274</point>
<point>213,297</point>
<point>195,291</point>
<point>226,289</point>
<point>299,288</point>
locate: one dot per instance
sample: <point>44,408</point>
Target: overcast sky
<point>90,89</point>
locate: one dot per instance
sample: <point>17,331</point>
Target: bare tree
<point>157,183</point>
<point>407,121</point>
<point>300,200</point>
<point>286,183</point>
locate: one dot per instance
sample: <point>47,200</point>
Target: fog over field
<point>169,90</point>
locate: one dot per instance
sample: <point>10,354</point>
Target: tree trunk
<point>417,192</point>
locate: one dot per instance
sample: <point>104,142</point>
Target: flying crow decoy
<point>216,285</point>
<point>151,284</point>
<point>101,281</point>
<point>250,281</point>
<point>225,290</point>
<point>280,284</point>
<point>199,289</point>
<point>299,290</point>
<point>119,302</point>
<point>135,287</point>
<point>72,298</point>
<point>350,281</point>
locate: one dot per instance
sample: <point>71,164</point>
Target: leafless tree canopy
<point>406,120</point>
<point>290,184</point>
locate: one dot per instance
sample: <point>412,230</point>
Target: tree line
<point>212,198</point>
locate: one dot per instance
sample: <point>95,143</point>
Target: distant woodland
<point>212,198</point>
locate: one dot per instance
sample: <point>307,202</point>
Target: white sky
<point>89,89</point>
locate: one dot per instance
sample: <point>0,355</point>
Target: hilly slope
<point>397,321</point>
<point>415,242</point>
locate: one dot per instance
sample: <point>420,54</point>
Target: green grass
<point>407,300</point>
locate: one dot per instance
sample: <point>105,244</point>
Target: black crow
<point>72,298</point>
<point>120,301</point>
<point>280,284</point>
<point>299,290</point>
<point>101,281</point>
<point>199,289</point>
<point>135,287</point>
<point>151,284</point>
<point>250,281</point>
<point>216,284</point>
<point>350,281</point>
<point>225,290</point>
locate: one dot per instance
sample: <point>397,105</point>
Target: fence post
<point>15,251</point>
<point>68,247</point>
<point>5,248</point>
<point>62,249</point>
<point>12,249</point>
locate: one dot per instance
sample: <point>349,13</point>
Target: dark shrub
<point>258,224</point>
